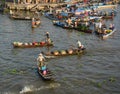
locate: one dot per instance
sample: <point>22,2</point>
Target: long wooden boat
<point>107,6</point>
<point>107,17</point>
<point>108,33</point>
<point>67,52</point>
<point>20,18</point>
<point>65,26</point>
<point>59,23</point>
<point>47,76</point>
<point>31,44</point>
<point>50,16</point>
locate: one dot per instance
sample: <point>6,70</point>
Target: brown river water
<point>95,72</point>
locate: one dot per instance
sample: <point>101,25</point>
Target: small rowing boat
<point>31,44</point>
<point>45,74</point>
<point>67,52</point>
<point>37,23</point>
<point>109,32</point>
<point>104,36</point>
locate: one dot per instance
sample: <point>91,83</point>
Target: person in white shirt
<point>79,44</point>
<point>40,60</point>
<point>100,27</point>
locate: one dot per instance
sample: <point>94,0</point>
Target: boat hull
<point>67,52</point>
<point>20,18</point>
<point>105,36</point>
<point>48,76</point>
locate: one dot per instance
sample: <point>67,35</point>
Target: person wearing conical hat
<point>40,60</point>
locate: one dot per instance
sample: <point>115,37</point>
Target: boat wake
<point>27,89</point>
<point>30,89</point>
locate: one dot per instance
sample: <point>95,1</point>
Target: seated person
<point>111,26</point>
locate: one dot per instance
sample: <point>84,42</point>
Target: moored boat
<point>31,44</point>
<point>81,28</point>
<point>20,18</point>
<point>50,16</point>
<point>59,23</point>
<point>107,17</point>
<point>67,52</point>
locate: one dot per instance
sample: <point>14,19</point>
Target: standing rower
<point>40,60</point>
<point>80,46</point>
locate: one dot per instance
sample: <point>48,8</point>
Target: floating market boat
<point>59,23</point>
<point>16,17</point>
<point>45,74</point>
<point>81,28</point>
<point>31,44</point>
<point>107,17</point>
<point>67,52</point>
<point>50,16</point>
<point>109,32</point>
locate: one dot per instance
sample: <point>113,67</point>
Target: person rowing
<point>48,40</point>
<point>111,27</point>
<point>40,60</point>
<point>79,45</point>
<point>47,35</point>
<point>33,21</point>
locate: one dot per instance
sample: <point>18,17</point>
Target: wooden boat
<point>104,36</point>
<point>83,28</point>
<point>17,17</point>
<point>67,52</point>
<point>86,31</point>
<point>107,17</point>
<point>31,44</point>
<point>37,23</point>
<point>50,16</point>
<point>108,33</point>
<point>107,6</point>
<point>47,76</point>
<point>59,23</point>
<point>64,25</point>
